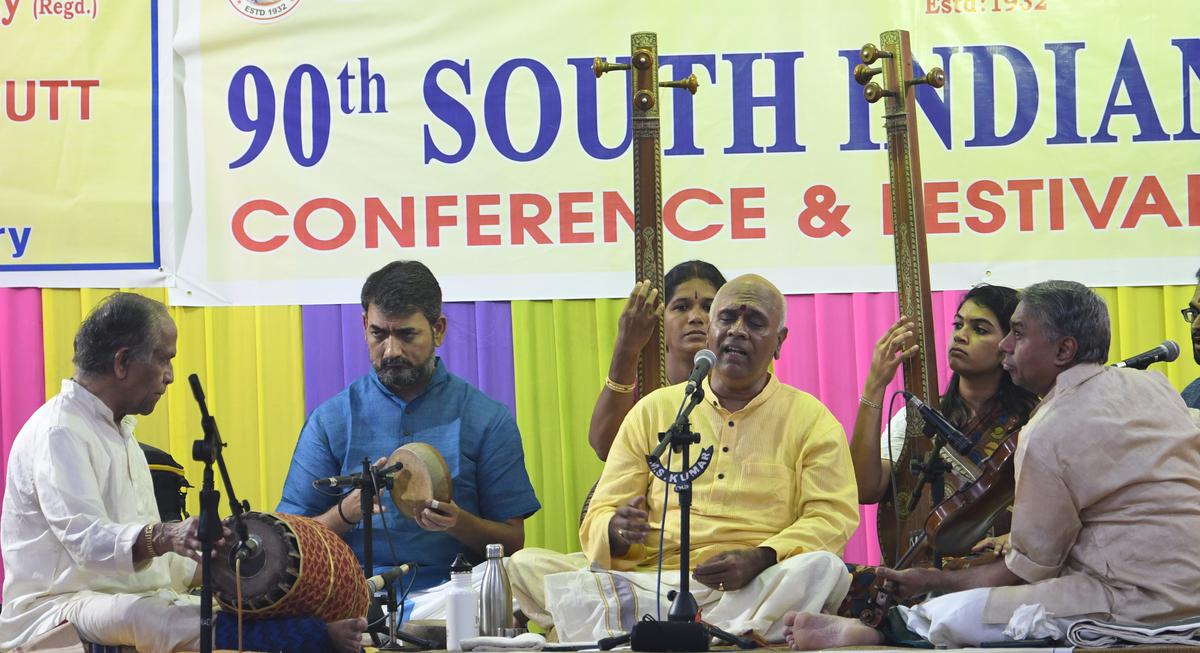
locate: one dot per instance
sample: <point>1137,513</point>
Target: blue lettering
<point>682,116</point>
<point>1189,51</point>
<point>495,111</point>
<point>20,239</point>
<point>936,107</point>
<point>744,102</point>
<point>1065,113</point>
<point>859,110</point>
<point>587,111</point>
<point>985,95</point>
<point>1141,105</point>
<point>450,111</point>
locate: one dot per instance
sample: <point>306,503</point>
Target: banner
<point>79,121</point>
<point>326,139</point>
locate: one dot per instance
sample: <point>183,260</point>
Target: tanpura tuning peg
<point>691,84</point>
<point>600,66</point>
<point>935,78</point>
<point>643,100</point>
<point>863,73</point>
<point>873,92</point>
<point>870,54</point>
<point>642,59</point>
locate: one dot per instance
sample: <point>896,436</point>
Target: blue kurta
<point>474,433</point>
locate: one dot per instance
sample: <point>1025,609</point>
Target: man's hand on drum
<point>628,526</point>
<point>183,538</point>
<point>437,515</point>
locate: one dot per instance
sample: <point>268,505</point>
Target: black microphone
<point>957,440</point>
<point>247,548</point>
<point>354,479</point>
<point>703,362</point>
<point>380,582</point>
<point>1164,353</point>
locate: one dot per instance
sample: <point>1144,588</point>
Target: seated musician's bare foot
<point>347,634</point>
<point>810,632</point>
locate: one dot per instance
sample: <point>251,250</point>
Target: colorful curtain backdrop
<point>264,368</point>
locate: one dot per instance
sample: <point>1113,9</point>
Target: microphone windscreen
<point>705,355</point>
<point>1172,348</point>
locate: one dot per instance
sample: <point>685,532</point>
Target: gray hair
<point>121,320</point>
<point>1068,308</point>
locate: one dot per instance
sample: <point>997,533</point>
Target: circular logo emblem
<point>264,11</point>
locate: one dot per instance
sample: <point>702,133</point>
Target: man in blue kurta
<point>409,396</point>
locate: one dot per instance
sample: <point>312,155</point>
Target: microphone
<point>247,548</point>
<point>953,436</point>
<point>703,362</point>
<point>380,582</point>
<point>1164,353</point>
<point>353,479</point>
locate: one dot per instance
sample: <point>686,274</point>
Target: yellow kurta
<point>780,477</point>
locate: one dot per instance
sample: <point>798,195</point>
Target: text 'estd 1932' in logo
<point>264,11</point>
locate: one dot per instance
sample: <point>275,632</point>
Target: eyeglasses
<point>1189,314</point>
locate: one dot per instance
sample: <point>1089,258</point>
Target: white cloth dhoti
<point>585,605</point>
<point>151,623</point>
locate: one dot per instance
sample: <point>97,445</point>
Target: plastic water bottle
<point>495,595</point>
<point>462,607</point>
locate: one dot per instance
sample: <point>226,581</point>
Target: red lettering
<point>477,220</point>
<point>1056,204</point>
<point>374,212</point>
<point>435,220</point>
<point>671,219</point>
<point>10,104</point>
<point>521,224</point>
<point>976,199</point>
<point>934,208</point>
<point>238,225</point>
<point>1025,188</point>
<point>739,213</point>
<point>1150,199</point>
<point>1098,217</point>
<point>306,237</point>
<point>53,85</point>
<point>612,206</point>
<point>569,218</point>
<point>85,87</point>
<point>1193,193</point>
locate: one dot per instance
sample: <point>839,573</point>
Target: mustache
<point>395,364</point>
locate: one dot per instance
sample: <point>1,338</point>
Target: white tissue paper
<point>1030,621</point>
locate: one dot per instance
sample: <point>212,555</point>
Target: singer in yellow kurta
<point>780,477</point>
<point>776,505</point>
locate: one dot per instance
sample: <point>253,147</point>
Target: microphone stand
<point>932,472</point>
<point>370,487</point>
<point>206,450</point>
<point>681,631</point>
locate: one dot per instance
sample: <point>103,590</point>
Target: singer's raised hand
<point>638,319</point>
<point>628,526</point>
<point>893,348</point>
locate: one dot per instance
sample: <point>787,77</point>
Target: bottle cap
<point>495,550</point>
<point>460,565</point>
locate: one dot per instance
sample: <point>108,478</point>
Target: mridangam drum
<point>424,476</point>
<point>301,569</point>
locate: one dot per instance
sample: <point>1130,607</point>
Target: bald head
<point>746,330</point>
<point>752,289</point>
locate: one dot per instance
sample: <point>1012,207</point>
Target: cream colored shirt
<point>78,494</point>
<point>780,477</point>
<point>1106,518</point>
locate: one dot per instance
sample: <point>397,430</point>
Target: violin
<point>955,525</point>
